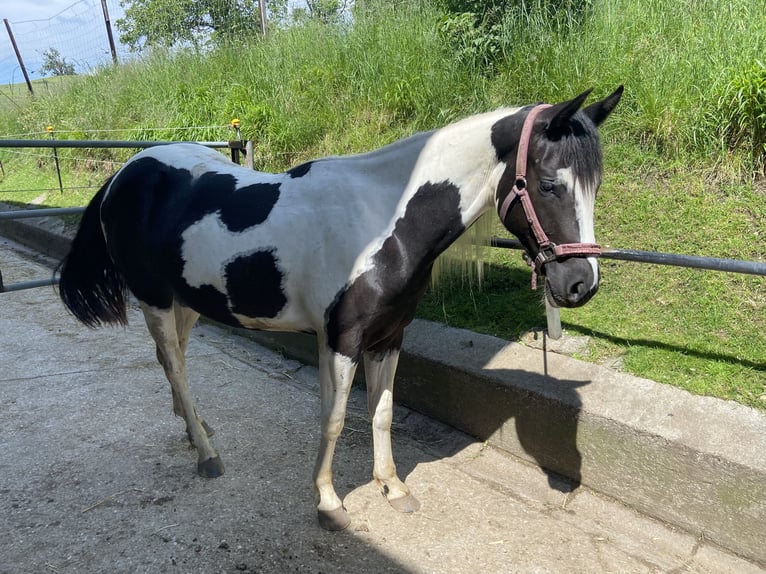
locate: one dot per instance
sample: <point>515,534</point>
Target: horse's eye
<point>546,186</point>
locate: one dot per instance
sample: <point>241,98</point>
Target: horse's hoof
<point>334,520</point>
<point>210,431</point>
<point>210,468</point>
<point>406,503</point>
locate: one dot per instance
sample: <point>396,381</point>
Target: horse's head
<point>547,193</point>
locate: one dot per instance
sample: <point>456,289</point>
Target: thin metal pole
<point>262,14</point>
<point>108,23</point>
<point>56,159</point>
<point>553,317</point>
<point>14,143</point>
<point>249,150</point>
<point>31,213</point>
<point>673,259</point>
<point>694,261</point>
<point>22,285</point>
<point>18,56</point>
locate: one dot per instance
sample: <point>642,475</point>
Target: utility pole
<point>108,24</point>
<point>18,55</point>
<point>262,14</point>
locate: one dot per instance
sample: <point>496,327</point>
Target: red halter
<point>548,251</point>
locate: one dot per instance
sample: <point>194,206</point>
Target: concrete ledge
<point>695,462</point>
<point>47,236</point>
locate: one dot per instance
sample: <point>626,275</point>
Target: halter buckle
<point>546,254</point>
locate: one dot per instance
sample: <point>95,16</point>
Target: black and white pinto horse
<point>342,247</point>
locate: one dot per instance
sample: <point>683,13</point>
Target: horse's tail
<point>90,285</point>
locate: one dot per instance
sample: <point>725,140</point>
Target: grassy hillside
<point>683,151</point>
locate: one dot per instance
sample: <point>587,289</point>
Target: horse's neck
<point>451,183</point>
<point>462,154</point>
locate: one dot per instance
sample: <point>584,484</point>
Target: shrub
<point>741,111</point>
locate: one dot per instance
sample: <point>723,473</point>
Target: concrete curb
<point>695,462</point>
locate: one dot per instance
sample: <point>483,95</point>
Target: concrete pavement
<point>97,476</point>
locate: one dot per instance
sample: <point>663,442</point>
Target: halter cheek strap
<point>547,250</point>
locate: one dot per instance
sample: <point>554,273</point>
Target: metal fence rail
<point>47,212</point>
<point>22,285</point>
<point>100,144</point>
<point>659,258</point>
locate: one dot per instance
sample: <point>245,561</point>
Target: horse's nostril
<point>577,290</point>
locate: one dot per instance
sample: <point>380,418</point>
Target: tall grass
<point>684,63</point>
<point>693,69</point>
<point>307,90</point>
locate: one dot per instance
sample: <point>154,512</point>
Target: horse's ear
<point>557,117</point>
<point>599,111</point>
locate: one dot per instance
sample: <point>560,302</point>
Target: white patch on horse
<point>208,235</point>
<point>585,205</point>
<point>461,154</point>
<point>304,218</point>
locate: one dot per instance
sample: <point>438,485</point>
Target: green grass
<point>682,154</point>
<point>683,63</point>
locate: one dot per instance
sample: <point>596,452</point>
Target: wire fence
<point>78,33</point>
<point>85,35</point>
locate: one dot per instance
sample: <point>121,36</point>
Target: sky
<point>32,9</point>
<point>74,27</point>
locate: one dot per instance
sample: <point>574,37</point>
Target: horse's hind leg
<point>185,318</point>
<point>164,328</point>
<point>379,369</point>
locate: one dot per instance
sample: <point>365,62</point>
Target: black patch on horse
<point>371,313</point>
<point>208,301</point>
<point>300,170</point>
<point>254,284</point>
<point>184,200</point>
<point>505,134</point>
<point>249,205</point>
<point>149,206</point>
<point>239,208</point>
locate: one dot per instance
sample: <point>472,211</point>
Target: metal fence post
<point>49,129</point>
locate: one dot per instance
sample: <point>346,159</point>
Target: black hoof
<point>334,520</point>
<point>210,468</point>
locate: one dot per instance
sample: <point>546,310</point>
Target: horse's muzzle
<point>571,282</point>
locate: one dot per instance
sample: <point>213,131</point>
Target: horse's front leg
<point>170,353</point>
<point>379,369</point>
<point>336,374</point>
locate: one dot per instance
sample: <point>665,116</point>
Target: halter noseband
<point>547,250</point>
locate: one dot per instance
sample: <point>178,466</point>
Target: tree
<point>326,10</point>
<point>54,64</point>
<point>196,23</point>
